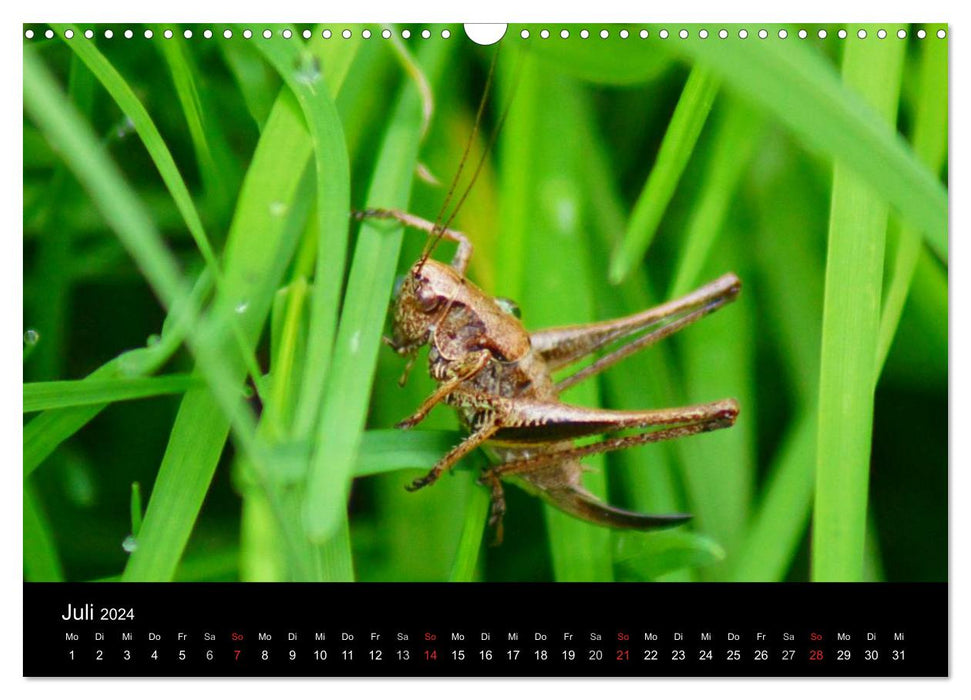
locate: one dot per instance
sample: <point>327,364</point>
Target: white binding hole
<point>524,34</point>
<point>88,34</point>
<point>882,34</point>
<point>149,34</point>
<point>485,34</point>
<point>584,34</point>
<point>49,33</point>
<point>624,33</point>
<point>783,34</point>
<point>644,34</point>
<point>861,33</point>
<point>425,34</point>
<point>544,34</point>
<point>742,33</point>
<point>187,33</point>
<point>207,34</point>
<point>763,34</point>
<point>29,33</point>
<point>703,33</point>
<point>683,34</point>
<point>227,34</point>
<point>346,33</point>
<point>722,33</point>
<point>803,33</point>
<point>167,34</point>
<point>267,33</point>
<point>822,34</point>
<point>445,34</point>
<point>287,33</point>
<point>921,33</point>
<point>405,33</point>
<point>386,33</point>
<point>366,33</point>
<point>68,33</point>
<point>564,33</point>
<point>129,34</point>
<point>841,33</point>
<point>901,34</point>
<point>247,34</point>
<point>663,33</point>
<point>327,34</point>
<point>604,33</point>
<point>109,33</point>
<point>941,34</point>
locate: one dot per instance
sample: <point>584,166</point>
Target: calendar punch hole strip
<point>215,216</point>
<point>581,31</point>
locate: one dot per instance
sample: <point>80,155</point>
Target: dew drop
<point>126,127</point>
<point>153,339</point>
<point>31,337</point>
<point>278,208</point>
<point>241,307</point>
<point>308,69</point>
<point>129,544</point>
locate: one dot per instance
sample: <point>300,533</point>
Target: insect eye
<point>509,306</point>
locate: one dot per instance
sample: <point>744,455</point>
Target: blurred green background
<point>205,393</point>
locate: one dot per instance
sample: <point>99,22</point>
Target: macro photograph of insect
<point>580,303</point>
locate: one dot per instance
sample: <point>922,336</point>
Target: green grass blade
<point>44,433</point>
<point>136,508</point>
<point>130,221</point>
<point>371,277</point>
<point>269,217</point>
<point>301,71</point>
<point>42,396</point>
<point>780,519</point>
<point>217,167</point>
<point>734,138</point>
<point>258,83</point>
<point>851,314</point>
<point>679,142</point>
<point>930,144</point>
<point>128,102</point>
<point>41,560</point>
<point>470,544</point>
<point>795,84</point>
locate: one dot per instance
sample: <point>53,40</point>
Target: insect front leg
<point>461,260</point>
<point>454,455</point>
<point>468,368</point>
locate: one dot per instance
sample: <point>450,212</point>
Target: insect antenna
<point>488,149</point>
<point>440,227</point>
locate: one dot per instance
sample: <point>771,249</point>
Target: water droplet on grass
<point>308,69</point>
<point>31,337</point>
<point>129,544</point>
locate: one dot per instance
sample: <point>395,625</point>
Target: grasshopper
<point>498,376</point>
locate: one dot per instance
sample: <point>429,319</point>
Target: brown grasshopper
<point>498,376</point>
